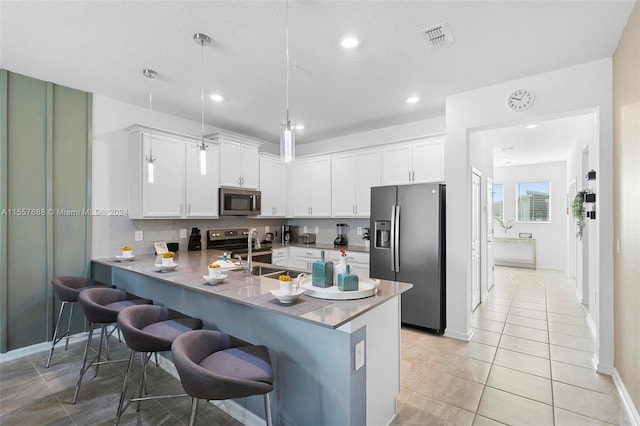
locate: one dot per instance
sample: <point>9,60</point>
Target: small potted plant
<point>167,259</point>
<point>366,238</point>
<point>506,225</point>
<point>577,210</point>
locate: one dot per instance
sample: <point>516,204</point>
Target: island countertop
<point>255,290</point>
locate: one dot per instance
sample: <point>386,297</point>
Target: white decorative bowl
<point>287,298</point>
<point>166,268</point>
<point>214,280</point>
<point>125,258</point>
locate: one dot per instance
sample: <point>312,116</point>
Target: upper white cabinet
<point>417,162</point>
<point>353,176</point>
<point>311,187</point>
<point>272,186</point>
<point>202,190</point>
<point>239,165</point>
<point>177,189</point>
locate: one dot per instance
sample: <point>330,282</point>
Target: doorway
<point>475,240</point>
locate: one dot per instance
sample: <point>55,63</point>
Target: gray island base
<point>312,342</point>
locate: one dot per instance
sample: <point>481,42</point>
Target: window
<point>533,202</point>
<point>498,202</point>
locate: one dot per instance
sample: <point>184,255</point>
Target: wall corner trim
<point>455,334</point>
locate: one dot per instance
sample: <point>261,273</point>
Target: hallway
<point>529,362</point>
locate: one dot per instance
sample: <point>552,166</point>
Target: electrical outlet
<point>317,231</point>
<point>359,230</point>
<point>305,229</point>
<point>359,355</point>
<point>138,236</point>
<point>183,233</point>
<point>266,229</point>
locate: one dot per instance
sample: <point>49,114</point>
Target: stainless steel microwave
<point>239,202</point>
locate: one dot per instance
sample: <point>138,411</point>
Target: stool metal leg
<point>267,409</point>
<point>124,387</point>
<point>102,333</point>
<point>84,363</point>
<point>194,411</point>
<point>68,333</point>
<point>144,357</point>
<point>55,333</point>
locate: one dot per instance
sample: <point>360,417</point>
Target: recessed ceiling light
<point>412,99</point>
<point>531,126</point>
<point>217,98</point>
<point>349,42</point>
<point>300,127</point>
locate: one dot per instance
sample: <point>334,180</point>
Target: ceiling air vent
<point>437,35</point>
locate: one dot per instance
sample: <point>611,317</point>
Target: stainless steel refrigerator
<point>408,245</point>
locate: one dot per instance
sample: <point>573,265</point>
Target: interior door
<point>490,266</point>
<point>475,240</point>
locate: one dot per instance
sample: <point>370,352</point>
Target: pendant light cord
<point>202,91</point>
<point>287,56</point>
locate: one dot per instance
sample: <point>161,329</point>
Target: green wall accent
<point>45,137</point>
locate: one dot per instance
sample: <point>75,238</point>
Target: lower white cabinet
<point>280,256</point>
<point>303,258</point>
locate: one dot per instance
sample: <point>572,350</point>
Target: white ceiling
<point>549,141</point>
<point>102,47</point>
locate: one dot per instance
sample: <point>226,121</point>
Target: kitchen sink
<point>265,270</point>
<point>289,272</point>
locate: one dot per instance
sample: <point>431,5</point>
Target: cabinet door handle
<point>413,175</point>
<point>409,175</point>
<point>356,206</point>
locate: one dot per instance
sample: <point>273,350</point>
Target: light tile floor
<point>529,362</point>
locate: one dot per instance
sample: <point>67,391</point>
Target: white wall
<point>551,251</point>
<point>581,88</point>
<point>384,135</point>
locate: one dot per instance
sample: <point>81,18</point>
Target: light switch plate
<point>183,233</point>
<point>359,230</point>
<point>305,229</point>
<point>266,229</point>
<point>139,236</point>
<point>359,355</point>
<point>317,230</point>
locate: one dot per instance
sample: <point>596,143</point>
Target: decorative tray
<point>367,287</point>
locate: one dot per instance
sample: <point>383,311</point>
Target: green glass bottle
<point>348,281</point>
<point>322,272</point>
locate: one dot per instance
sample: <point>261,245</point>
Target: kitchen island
<point>312,342</point>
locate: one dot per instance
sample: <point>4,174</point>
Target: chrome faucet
<point>250,245</point>
<point>244,266</point>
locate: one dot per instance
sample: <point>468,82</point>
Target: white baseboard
<point>38,347</point>
<point>632,411</point>
<point>454,334</point>
<point>230,407</point>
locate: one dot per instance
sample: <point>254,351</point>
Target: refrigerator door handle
<point>396,241</point>
<point>392,249</point>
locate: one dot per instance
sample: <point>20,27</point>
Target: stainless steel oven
<point>234,241</point>
<point>239,202</point>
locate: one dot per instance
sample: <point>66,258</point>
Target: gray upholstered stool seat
<point>150,329</point>
<point>102,306</point>
<point>67,290</point>
<point>216,366</point>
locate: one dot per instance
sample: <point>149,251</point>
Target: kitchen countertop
<point>254,291</point>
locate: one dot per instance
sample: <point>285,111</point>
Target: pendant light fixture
<point>287,129</point>
<point>203,40</point>
<point>151,74</point>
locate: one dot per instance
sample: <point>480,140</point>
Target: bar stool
<point>101,306</point>
<point>216,366</point>
<point>150,329</point>
<point>67,289</point>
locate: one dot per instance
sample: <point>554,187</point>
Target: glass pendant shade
<point>202,157</point>
<point>150,170</point>
<point>287,141</point>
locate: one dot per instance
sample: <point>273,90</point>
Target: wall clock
<point>521,99</point>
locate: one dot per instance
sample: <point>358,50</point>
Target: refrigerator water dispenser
<point>382,232</point>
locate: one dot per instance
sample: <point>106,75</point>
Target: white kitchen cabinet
<point>303,258</point>
<point>272,186</point>
<point>417,162</point>
<point>239,165</point>
<point>280,256</point>
<point>201,190</point>
<point>178,190</point>
<point>353,175</point>
<point>358,261</point>
<point>311,187</point>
